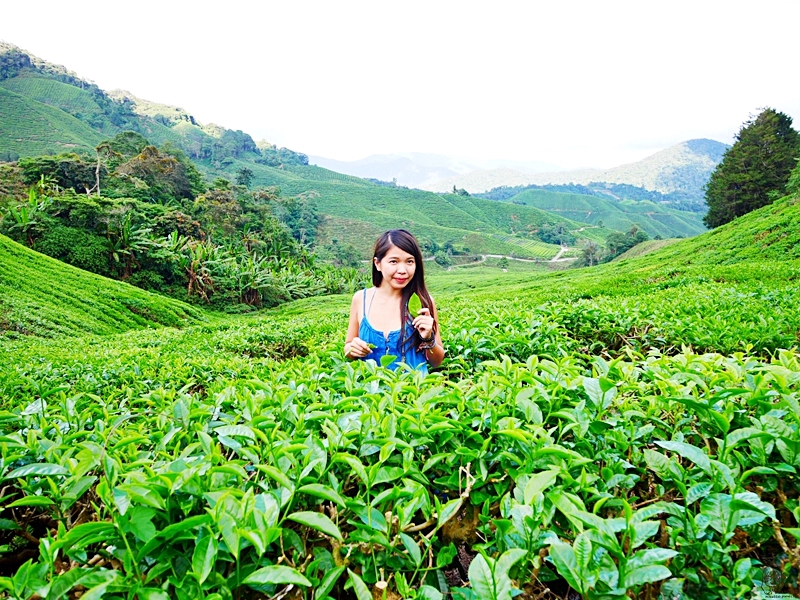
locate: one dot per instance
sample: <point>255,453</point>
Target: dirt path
<point>483,257</point>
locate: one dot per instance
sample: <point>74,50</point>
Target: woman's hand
<point>424,323</point>
<point>356,348</point>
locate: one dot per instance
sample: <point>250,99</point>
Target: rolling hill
<point>653,218</point>
<point>44,297</point>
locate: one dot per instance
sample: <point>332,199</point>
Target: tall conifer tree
<point>758,163</point>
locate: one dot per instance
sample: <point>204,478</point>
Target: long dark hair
<point>406,242</point>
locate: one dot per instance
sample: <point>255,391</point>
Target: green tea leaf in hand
<point>414,305</point>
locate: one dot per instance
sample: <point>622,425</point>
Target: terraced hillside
<point>357,210</point>
<point>40,296</point>
<point>31,128</point>
<point>652,218</point>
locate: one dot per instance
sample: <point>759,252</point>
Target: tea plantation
<point>630,430</point>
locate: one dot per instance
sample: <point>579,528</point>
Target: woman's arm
<point>425,322</point>
<point>354,346</point>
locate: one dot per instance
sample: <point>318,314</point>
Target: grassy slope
<point>69,98</point>
<point>647,247</point>
<point>356,211</point>
<point>31,128</point>
<point>41,114</point>
<point>45,297</point>
<point>652,218</point>
<point>766,242</point>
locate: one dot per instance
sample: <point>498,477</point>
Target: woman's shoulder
<point>360,295</point>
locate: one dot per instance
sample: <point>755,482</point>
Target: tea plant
<point>633,435</point>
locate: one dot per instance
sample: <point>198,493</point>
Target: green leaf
<point>30,501</point>
<point>426,592</point>
<point>538,483</point>
<point>795,531</point>
<point>741,570</point>
<point>698,492</point>
<point>717,507</point>
<point>563,557</point>
<point>583,550</point>
<point>317,521</point>
<point>327,583</point>
<point>151,594</point>
<point>414,305</point>
<point>141,524</point>
<point>446,555</point>
<point>235,431</point>
<point>502,567</point>
<point>204,557</point>
<point>648,574</point>
<point>748,501</point>
<point>322,491</point>
<point>689,452</point>
<point>276,475</point>
<point>362,591</point>
<point>734,438</point>
<point>480,577</point>
<point>99,590</point>
<point>651,556</point>
<point>413,549</point>
<point>277,575</point>
<point>448,511</point>
<point>355,464</point>
<point>40,469</point>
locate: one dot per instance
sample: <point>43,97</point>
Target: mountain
<point>420,170</point>
<point>684,168</point>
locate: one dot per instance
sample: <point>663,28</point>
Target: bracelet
<point>428,344</point>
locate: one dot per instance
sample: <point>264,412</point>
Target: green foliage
<point>68,171</point>
<point>555,233</point>
<point>617,243</point>
<point>679,200</point>
<point>620,431</point>
<point>793,185</point>
<point>44,297</point>
<point>77,247</point>
<point>279,157</point>
<point>755,168</point>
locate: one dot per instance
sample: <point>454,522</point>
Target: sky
<point>571,83</point>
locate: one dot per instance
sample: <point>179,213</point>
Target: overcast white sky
<point>574,83</point>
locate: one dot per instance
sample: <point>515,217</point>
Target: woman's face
<point>397,267</point>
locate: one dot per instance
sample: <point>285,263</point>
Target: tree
<point>590,254</point>
<point>244,176</point>
<point>754,169</point>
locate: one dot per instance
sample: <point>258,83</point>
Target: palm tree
<point>27,218</point>
<point>127,241</point>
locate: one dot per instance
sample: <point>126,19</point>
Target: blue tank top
<point>390,344</point>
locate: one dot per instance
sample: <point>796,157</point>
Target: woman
<point>380,323</point>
